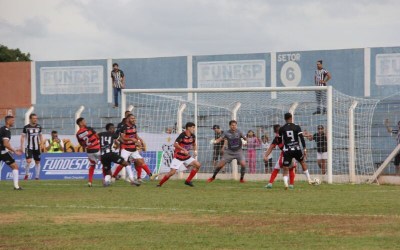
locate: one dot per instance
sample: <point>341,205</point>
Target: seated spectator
<point>54,145</point>
<point>68,146</point>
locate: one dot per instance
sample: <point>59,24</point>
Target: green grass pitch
<point>217,215</point>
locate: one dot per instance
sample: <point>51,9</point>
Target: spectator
<point>396,133</point>
<point>321,78</point>
<point>265,145</point>
<point>118,81</point>
<point>218,147</point>
<point>322,146</point>
<point>54,145</point>
<point>252,143</point>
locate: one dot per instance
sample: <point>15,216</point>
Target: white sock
<point>129,172</point>
<point>15,177</point>
<point>285,180</point>
<point>307,175</point>
<point>37,170</point>
<point>27,166</point>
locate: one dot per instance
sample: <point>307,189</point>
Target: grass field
<point>218,215</point>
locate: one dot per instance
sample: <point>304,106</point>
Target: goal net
<point>162,114</point>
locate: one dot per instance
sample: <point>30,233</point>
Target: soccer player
<point>291,134</point>
<point>277,142</point>
<point>129,143</point>
<point>5,149</point>
<point>108,156</point>
<point>89,140</point>
<point>233,138</point>
<point>185,142</point>
<point>32,132</point>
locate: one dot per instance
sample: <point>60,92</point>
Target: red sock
<point>138,171</point>
<point>146,168</point>
<point>192,174</point>
<point>164,179</point>
<point>117,170</point>
<point>91,172</point>
<point>292,174</point>
<point>273,175</point>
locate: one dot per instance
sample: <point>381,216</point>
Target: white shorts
<point>95,157</point>
<point>128,155</point>
<point>322,156</point>
<point>177,164</point>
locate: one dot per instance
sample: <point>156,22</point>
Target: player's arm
<point>216,141</point>
<point>122,79</point>
<point>303,143</point>
<point>22,141</point>
<point>7,145</point>
<point>327,77</point>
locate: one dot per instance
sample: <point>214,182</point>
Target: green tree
<point>13,55</point>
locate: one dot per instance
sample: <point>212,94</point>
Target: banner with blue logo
<point>65,166</point>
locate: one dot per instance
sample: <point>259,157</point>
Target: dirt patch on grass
<point>10,218</point>
<point>326,225</point>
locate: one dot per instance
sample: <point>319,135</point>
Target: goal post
<point>258,109</point>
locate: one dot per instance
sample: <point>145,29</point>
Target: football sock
<point>164,179</point>
<point>27,165</point>
<point>37,170</point>
<point>91,172</point>
<point>146,169</point>
<point>216,170</point>
<point>273,175</point>
<point>307,175</point>
<point>130,172</point>
<point>285,180</point>
<point>292,174</point>
<point>15,177</point>
<point>242,172</point>
<point>192,174</point>
<point>138,171</point>
<point>117,170</point>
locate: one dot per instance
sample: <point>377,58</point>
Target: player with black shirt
<point>292,135</point>
<point>32,132</point>
<point>107,155</point>
<point>5,149</point>
<point>185,142</point>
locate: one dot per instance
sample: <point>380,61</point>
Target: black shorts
<point>397,160</point>
<point>290,154</point>
<point>109,158</point>
<point>35,154</point>
<point>7,158</point>
<point>217,153</point>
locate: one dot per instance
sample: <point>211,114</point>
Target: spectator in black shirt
<point>322,146</point>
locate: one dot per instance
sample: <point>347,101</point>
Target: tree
<point>13,55</point>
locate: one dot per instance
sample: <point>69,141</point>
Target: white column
<point>352,152</point>
<point>181,108</point>
<point>329,97</point>
<point>109,82</point>
<point>33,82</point>
<point>293,108</point>
<point>189,70</point>
<point>273,73</point>
<point>123,103</point>
<point>27,114</point>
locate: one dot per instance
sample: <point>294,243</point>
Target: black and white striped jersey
<point>107,141</point>
<point>117,78</point>
<point>32,134</point>
<point>4,134</point>
<point>320,74</point>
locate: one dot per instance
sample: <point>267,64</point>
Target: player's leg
<point>93,159</point>
<point>226,159</point>
<point>142,165</point>
<point>195,168</point>
<point>242,164</point>
<point>36,157</point>
<point>285,176</point>
<point>275,172</point>
<point>305,169</point>
<point>9,160</point>
<point>28,159</point>
<point>175,165</point>
<point>287,160</point>
<point>125,156</point>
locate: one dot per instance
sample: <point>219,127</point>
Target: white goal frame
<point>327,89</point>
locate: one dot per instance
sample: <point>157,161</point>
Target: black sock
<point>217,169</point>
<point>242,172</point>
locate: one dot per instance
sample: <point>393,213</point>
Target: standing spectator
<point>218,147</point>
<point>118,81</point>
<point>321,78</point>
<point>252,143</point>
<point>397,133</point>
<point>322,146</point>
<point>54,145</point>
<point>265,145</point>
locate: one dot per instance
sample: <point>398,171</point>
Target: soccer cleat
<point>158,185</point>
<point>140,181</point>
<point>135,183</point>
<point>291,187</point>
<point>242,181</point>
<point>36,178</point>
<point>26,177</point>
<point>269,186</point>
<point>89,184</point>
<point>153,177</point>
<point>189,183</point>
<point>19,188</point>
<point>210,179</point>
<point>311,182</point>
